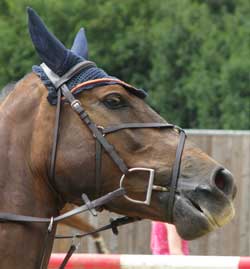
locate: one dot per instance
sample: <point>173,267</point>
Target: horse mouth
<point>211,220</point>
<point>191,219</point>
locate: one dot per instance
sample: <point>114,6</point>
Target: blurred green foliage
<point>193,56</point>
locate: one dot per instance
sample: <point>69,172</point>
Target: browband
<point>59,81</point>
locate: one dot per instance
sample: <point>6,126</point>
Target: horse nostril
<point>224,181</point>
<point>219,181</point>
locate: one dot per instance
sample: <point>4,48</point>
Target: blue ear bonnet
<point>60,59</point>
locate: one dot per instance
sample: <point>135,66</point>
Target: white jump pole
<point>100,261</point>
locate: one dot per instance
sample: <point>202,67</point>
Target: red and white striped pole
<point>100,261</point>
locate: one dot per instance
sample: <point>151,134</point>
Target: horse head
<point>69,131</point>
<point>203,197</point>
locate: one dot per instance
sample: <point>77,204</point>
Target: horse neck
<point>23,187</point>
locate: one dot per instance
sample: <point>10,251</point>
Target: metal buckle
<point>149,189</point>
<point>100,129</point>
<point>75,104</point>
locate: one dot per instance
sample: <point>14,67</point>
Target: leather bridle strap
<point>175,174</point>
<point>101,141</point>
<point>51,181</point>
<point>58,81</point>
<point>78,108</point>
<point>9,217</point>
<point>55,135</point>
<point>114,128</point>
<point>114,223</point>
<point>98,168</point>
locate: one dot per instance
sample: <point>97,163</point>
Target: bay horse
<point>69,132</point>
<point>75,222</point>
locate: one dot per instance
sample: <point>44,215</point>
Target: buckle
<point>100,129</point>
<point>149,188</point>
<point>75,104</point>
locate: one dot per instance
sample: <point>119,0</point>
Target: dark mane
<point>6,90</point>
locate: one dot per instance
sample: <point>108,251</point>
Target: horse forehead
<point>102,91</point>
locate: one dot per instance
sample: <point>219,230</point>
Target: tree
<point>191,55</point>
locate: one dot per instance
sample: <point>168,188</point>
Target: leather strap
<point>101,141</point>
<point>70,252</point>
<point>78,108</point>
<point>98,168</point>
<point>175,174</point>
<point>45,245</point>
<point>114,223</point>
<point>136,125</point>
<point>51,181</point>
<point>9,217</point>
<point>55,136</point>
<point>98,134</point>
<point>102,80</point>
<point>59,81</point>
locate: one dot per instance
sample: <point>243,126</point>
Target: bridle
<point>99,134</point>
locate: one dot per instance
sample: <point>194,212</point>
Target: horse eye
<point>114,101</point>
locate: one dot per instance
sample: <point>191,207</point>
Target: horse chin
<point>190,220</point>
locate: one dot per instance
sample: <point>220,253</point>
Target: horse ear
<point>80,45</point>
<point>51,51</point>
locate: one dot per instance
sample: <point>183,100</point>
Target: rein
<point>10,217</point>
<point>99,134</point>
